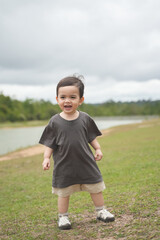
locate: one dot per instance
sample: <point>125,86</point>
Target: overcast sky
<point>114,44</point>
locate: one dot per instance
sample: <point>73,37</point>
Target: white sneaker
<point>64,223</point>
<point>105,216</point>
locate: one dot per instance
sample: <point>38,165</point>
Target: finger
<point>45,166</point>
<point>98,157</point>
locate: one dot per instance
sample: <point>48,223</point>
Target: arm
<point>98,154</point>
<point>47,154</point>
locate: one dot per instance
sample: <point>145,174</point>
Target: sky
<point>114,44</point>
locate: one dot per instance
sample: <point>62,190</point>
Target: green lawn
<point>131,171</point>
<point>34,123</point>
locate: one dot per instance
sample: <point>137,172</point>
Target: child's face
<point>69,99</point>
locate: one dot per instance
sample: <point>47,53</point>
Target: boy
<point>66,137</point>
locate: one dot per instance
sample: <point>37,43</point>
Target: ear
<point>57,99</point>
<point>81,100</point>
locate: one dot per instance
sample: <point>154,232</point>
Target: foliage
<point>111,108</point>
<point>130,169</point>
<point>13,110</point>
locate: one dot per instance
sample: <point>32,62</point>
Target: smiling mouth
<point>67,107</point>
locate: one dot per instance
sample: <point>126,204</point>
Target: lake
<point>14,138</point>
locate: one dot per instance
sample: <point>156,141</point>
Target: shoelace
<point>64,220</point>
<point>105,213</point>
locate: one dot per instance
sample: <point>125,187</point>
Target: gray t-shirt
<point>74,161</point>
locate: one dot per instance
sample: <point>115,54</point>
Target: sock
<point>63,214</point>
<point>99,208</point>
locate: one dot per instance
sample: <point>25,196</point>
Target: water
<point>15,138</point>
<point>107,122</point>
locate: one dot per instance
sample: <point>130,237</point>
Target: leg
<point>97,199</point>
<point>102,213</point>
<point>63,222</point>
<point>63,204</point>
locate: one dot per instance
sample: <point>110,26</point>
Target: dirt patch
<point>27,152</point>
<point>146,126</point>
<point>87,227</point>
<point>123,220</point>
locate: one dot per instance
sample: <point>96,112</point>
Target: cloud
<point>124,91</point>
<point>94,93</point>
<point>43,41</point>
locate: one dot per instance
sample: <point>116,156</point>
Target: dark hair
<point>72,81</point>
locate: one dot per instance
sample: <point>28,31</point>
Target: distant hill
<point>14,110</point>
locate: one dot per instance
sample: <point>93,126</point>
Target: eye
<point>73,97</point>
<point>62,97</point>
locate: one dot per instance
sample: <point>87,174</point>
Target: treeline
<point>111,108</point>
<point>14,110</point>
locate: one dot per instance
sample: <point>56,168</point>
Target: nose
<point>67,99</point>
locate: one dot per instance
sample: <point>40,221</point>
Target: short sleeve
<point>93,130</point>
<point>48,137</point>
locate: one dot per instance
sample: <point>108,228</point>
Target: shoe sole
<point>106,220</point>
<point>66,227</point>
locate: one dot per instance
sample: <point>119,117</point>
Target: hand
<point>98,155</point>
<point>46,164</point>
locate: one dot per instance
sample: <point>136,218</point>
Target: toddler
<point>67,137</point>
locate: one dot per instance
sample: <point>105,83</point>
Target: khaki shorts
<point>91,188</point>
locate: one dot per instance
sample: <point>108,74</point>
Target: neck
<point>72,116</point>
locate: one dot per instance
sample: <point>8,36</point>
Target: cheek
<point>76,103</point>
<point>60,103</point>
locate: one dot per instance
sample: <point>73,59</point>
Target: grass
<point>130,168</point>
<point>34,123</point>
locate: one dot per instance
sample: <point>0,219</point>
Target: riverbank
<point>38,149</point>
<point>36,123</point>
<point>26,152</point>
